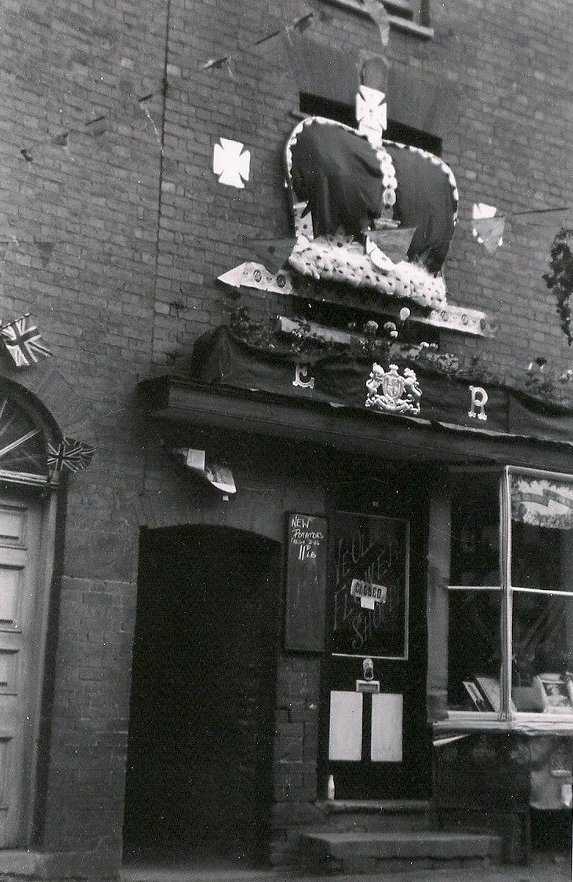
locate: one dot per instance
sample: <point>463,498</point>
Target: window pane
<point>542,653</point>
<point>540,558</point>
<point>474,650</point>
<point>475,532</point>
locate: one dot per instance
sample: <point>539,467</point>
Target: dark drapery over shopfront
<point>222,358</point>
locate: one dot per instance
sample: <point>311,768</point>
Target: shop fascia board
<point>408,439</point>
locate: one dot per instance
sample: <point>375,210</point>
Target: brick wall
<point>114,229</point>
<point>78,231</point>
<point>500,68</point>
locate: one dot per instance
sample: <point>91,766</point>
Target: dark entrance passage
<point>202,702</point>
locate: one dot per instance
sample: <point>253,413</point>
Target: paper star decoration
<point>488,227</point>
<point>231,163</point>
<point>371,111</point>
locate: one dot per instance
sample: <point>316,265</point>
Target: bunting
<point>23,341</point>
<point>69,454</point>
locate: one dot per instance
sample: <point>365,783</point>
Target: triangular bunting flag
<point>273,253</point>
<point>393,242</point>
<point>46,250</point>
<point>23,341</point>
<point>254,275</point>
<point>488,226</point>
<point>69,454</point>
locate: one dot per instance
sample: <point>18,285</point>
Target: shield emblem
<point>392,386</point>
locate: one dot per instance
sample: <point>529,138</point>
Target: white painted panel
<point>9,595</point>
<point>386,744</point>
<point>5,771</point>
<point>12,522</point>
<point>8,659</point>
<point>345,741</point>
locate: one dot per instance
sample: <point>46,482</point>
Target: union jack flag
<point>69,454</point>
<point>23,341</point>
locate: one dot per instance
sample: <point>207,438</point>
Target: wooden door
<point>20,621</point>
<point>376,734</point>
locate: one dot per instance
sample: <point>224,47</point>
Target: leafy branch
<point>559,279</point>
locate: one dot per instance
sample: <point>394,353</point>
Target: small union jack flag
<point>69,454</point>
<point>23,341</point>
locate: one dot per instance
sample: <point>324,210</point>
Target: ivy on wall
<point>559,279</point>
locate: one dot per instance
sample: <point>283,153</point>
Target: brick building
<point>175,670</point>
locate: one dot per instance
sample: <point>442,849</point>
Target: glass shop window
<point>474,644</point>
<point>510,625</point>
<point>541,591</point>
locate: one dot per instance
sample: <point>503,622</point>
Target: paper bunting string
<point>69,454</point>
<point>23,341</point>
<point>231,163</point>
<point>297,24</point>
<point>488,226</point>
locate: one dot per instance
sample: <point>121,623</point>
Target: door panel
<point>378,741</point>
<point>19,541</point>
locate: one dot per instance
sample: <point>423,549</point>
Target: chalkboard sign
<point>307,551</point>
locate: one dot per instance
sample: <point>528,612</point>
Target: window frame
<point>506,719</point>
<point>417,24</point>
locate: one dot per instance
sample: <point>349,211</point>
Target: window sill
<point>401,24</point>
<point>520,724</point>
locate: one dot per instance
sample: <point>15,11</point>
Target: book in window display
<point>490,688</point>
<point>478,700</point>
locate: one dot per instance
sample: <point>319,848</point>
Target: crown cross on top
<point>371,114</point>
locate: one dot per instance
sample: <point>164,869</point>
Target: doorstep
<point>28,863</point>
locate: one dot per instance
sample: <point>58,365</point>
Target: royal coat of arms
<point>392,392</point>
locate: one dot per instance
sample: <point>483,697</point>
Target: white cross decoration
<point>231,163</point>
<point>371,111</point>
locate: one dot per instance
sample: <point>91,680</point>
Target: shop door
<point>375,732</point>
<point>19,541</point>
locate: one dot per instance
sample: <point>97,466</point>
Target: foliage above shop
<point>559,279</point>
<point>380,343</point>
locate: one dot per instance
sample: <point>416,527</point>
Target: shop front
<point>424,640</point>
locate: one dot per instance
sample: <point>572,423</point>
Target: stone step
<point>377,814</point>
<point>368,852</point>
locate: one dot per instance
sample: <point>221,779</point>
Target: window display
<point>510,628</point>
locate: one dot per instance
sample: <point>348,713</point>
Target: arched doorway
<point>202,700</point>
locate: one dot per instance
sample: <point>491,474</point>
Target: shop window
<point>510,612</point>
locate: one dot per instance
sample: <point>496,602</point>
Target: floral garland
<point>560,278</point>
<point>366,343</point>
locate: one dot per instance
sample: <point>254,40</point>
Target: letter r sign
<point>479,401</point>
